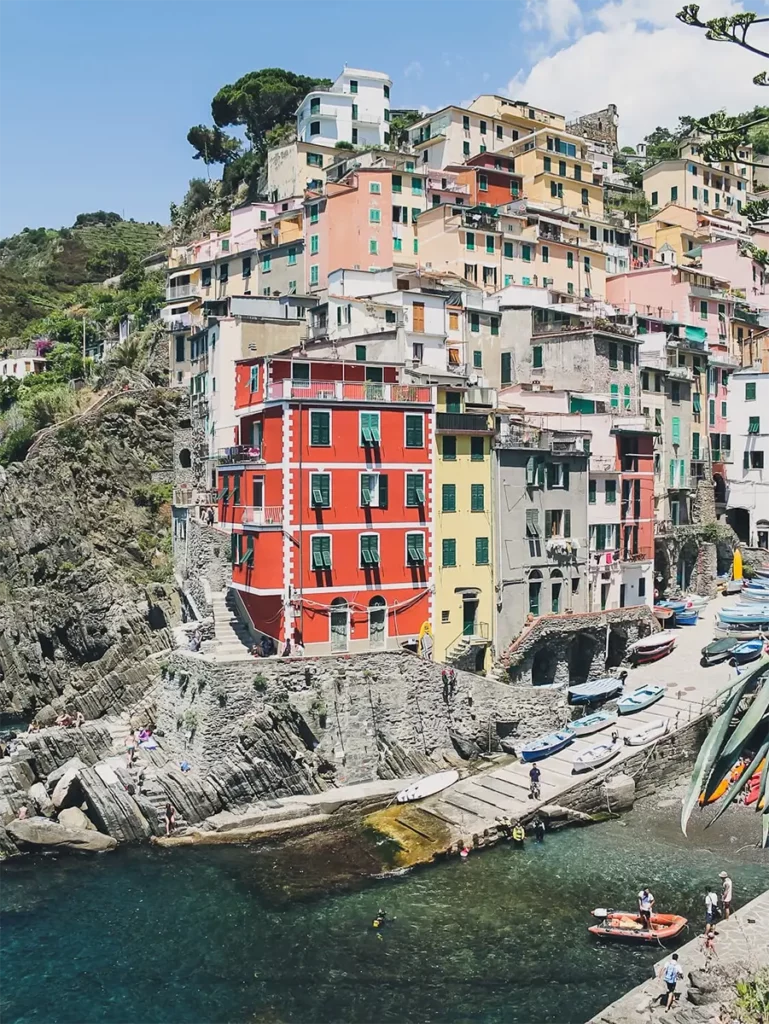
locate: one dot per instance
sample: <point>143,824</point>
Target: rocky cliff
<point>86,584</point>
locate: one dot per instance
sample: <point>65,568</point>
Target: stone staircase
<point>232,638</point>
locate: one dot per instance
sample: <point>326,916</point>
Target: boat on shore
<point>595,756</point>
<point>593,723</point>
<point>639,699</point>
<point>648,733</point>
<point>728,780</point>
<point>652,648</point>
<point>696,601</point>
<point>719,650</point>
<point>621,924</point>
<point>598,690</point>
<point>428,786</point>
<point>545,746</point>
<point>747,651</point>
<point>688,617</point>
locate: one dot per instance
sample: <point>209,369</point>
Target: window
<point>369,550</point>
<point>499,131</point>
<point>556,190</point>
<point>314,244</point>
<point>481,550</point>
<point>314,274</point>
<point>224,272</point>
<point>373,490</point>
<point>415,211</point>
<point>706,195</point>
<point>627,357</point>
<point>526,253</point>
<point>477,498</point>
<point>369,428</point>
<point>320,428</point>
<point>754,425</point>
<point>416,246</point>
<point>353,85</point>
<point>610,492</point>
<point>577,172</point>
<point>545,253</point>
<point>478,359</point>
<point>547,164</point>
<point>655,198</point>
<point>315,105</point>
<point>253,379</point>
<point>750,392</point>
<point>415,548</point>
<point>756,460</point>
<point>508,250</point>
<point>494,324</point>
<point>703,309</point>
<point>569,260</point>
<point>314,127</point>
<point>483,183</point>
<point>536,357</point>
<point>723,410</point>
<point>355,111</point>
<point>449,553</point>
<point>613,355</point>
<point>695,192</point>
<point>313,160</point>
<point>374,216</point>
<point>320,552</point>
<point>465,149</point>
<point>675,393</point>
<point>314,213</point>
<point>490,244</point>
<point>449,449</point>
<point>591,492</point>
<point>449,498</point>
<point>180,348</point>
<point>414,430</point>
<point>397,183</point>
<point>676,429</point>
<point>397,245</point>
<point>475,323</point>
<point>558,475</point>
<point>674,193</point>
<point>415,490</point>
<point>585,197</point>
<point>506,371</point>
<point>386,92</point>
<point>711,412</point>
<point>586,262</point>
<point>247,266</point>
<point>614,390</point>
<point>477,449</point>
<point>206,277</point>
<point>626,396</point>
<point>470,240</point>
<point>320,490</point>
<point>562,168</point>
<point>373,247</point>
<point>535,587</point>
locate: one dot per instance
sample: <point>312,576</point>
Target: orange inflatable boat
<point>620,924</point>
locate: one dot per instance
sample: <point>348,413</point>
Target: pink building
<point>724,260</point>
<point>686,295</point>
<point>720,369</point>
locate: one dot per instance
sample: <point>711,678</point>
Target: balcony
<point>603,464</point>
<point>462,423</point>
<point>680,373</point>
<point>347,391</point>
<point>264,518</point>
<point>314,112</point>
<point>239,454</point>
<point>180,291</point>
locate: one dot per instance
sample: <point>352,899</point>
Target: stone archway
<point>739,520</point>
<point>687,562</point>
<point>662,566</point>
<point>581,654</point>
<point>544,666</point>
<point>617,647</point>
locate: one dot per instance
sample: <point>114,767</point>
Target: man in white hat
<point>726,893</point>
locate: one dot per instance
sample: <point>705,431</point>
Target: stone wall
<point>361,714</point>
<point>202,560</point>
<point>600,126</point>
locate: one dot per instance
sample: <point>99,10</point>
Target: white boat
<point>596,755</point>
<point>427,786</point>
<point>648,733</point>
<point>593,723</point>
<point>696,601</point>
<point>639,699</point>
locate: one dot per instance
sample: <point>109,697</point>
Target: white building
<point>20,363</point>
<point>748,475</point>
<point>355,109</point>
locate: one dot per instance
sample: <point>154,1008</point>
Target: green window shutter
<point>477,503</point>
<point>449,498</point>
<point>591,492</point>
<point>545,253</point>
<point>475,323</point>
<point>695,445</point>
<point>470,240</point>
<point>234,550</point>
<point>321,490</point>
<point>415,490</point>
<point>567,522</point>
<point>415,548</point>
<point>383,490</point>
<point>712,412</point>
<point>613,355</point>
<point>508,250</point>
<point>477,449</point>
<point>750,392</point>
<point>614,396</point>
<point>611,492</point>
<point>626,396</point>
<point>397,183</point>
<point>478,359</point>
<point>676,424</point>
<point>703,309</point>
<point>754,425</point>
<point>490,244</point>
<point>236,489</point>
<point>366,488</point>
<point>570,260</point>
<point>494,326</point>
<point>531,471</point>
<point>548,523</point>
<point>696,402</point>
<point>672,472</point>
<point>507,368</point>
<point>565,476</point>
<point>449,552</point>
<point>414,431</point>
<point>320,428</point>
<point>481,550</point>
<point>526,253</point>
<point>536,357</point>
<point>449,448</point>
<point>369,549</point>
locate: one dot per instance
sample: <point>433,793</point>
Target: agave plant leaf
<point>735,790</point>
<point>713,743</point>
<point>747,724</point>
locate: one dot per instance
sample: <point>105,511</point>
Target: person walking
<point>726,894</point>
<point>711,912</point>
<point>671,975</point>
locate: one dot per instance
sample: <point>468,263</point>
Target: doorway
<point>340,624</point>
<point>377,613</point>
<point>257,492</point>
<point>469,613</point>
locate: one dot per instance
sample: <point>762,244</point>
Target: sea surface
<point>270,935</point>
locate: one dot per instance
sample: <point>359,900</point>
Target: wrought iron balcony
<point>238,454</point>
<point>462,423</point>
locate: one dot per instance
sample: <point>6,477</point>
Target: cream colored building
<point>299,165</point>
<point>557,170</point>
<point>718,188</point>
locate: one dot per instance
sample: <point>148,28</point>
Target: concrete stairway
<point>233,640</point>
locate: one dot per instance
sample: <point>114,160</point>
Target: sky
<point>96,98</point>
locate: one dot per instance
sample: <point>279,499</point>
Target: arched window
<point>556,590</point>
<point>535,591</point>
<point>340,624</point>
<point>185,459</point>
<point>377,622</point>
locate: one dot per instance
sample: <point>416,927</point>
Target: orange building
<point>328,493</point>
<point>635,452</point>
<point>491,178</point>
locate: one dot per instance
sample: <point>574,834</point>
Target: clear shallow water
<point>208,935</point>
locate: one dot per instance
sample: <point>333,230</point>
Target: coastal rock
<point>111,806</point>
<point>15,779</point>
<point>620,792</point>
<point>67,789</point>
<point>42,832</point>
<point>57,774</point>
<point>7,846</point>
<point>43,803</point>
<point>55,746</point>
<point>73,817</point>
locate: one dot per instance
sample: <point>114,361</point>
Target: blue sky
<point>96,97</point>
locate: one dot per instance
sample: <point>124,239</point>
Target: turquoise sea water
<point>219,934</point>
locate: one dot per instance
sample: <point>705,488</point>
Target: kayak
<point>731,776</point>
<point>427,786</point>
<point>619,924</point>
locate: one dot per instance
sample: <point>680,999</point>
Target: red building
<point>328,493</point>
<point>635,459</point>
<point>491,178</point>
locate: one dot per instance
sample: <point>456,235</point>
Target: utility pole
<point>84,337</point>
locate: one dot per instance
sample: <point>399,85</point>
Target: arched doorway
<point>340,624</point>
<point>617,646</point>
<point>739,520</point>
<point>185,459</point>
<point>377,622</point>
<point>581,654</point>
<point>535,592</point>
<point>544,666</point>
<point>687,560</point>
<point>556,591</point>
<point>719,489</point>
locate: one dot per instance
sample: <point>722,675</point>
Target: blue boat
<point>597,691</point>
<point>547,745</point>
<point>741,614</point>
<point>687,618</point>
<point>677,606</point>
<point>639,699</point>
<point>747,651</point>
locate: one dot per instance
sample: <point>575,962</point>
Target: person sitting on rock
<point>79,719</point>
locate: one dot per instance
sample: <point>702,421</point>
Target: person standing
<point>671,975</point>
<point>645,907</point>
<point>170,817</point>
<point>726,894</point>
<point>711,912</point>
<point>534,776</point>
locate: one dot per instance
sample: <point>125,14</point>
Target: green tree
<point>400,123</point>
<point>132,277</point>
<point>758,209</point>
<point>634,173</point>
<point>661,144</point>
<point>343,144</point>
<point>212,145</point>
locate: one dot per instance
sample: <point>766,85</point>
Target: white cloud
<point>414,69</point>
<point>644,60</point>
<point>558,19</point>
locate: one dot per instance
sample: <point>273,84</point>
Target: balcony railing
<point>180,291</point>
<point>347,391</point>
<point>239,453</point>
<point>462,423</point>
<point>181,322</point>
<point>266,516</point>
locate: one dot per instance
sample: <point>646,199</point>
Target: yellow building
<point>718,188</point>
<point>557,169</point>
<point>463,605</point>
<point>684,230</point>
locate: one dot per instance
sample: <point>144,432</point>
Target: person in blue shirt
<point>671,975</point>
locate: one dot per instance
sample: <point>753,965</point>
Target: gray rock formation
<point>66,791</point>
<point>87,589</point>
<point>40,832</point>
<point>42,802</point>
<point>73,817</point>
<point>16,776</point>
